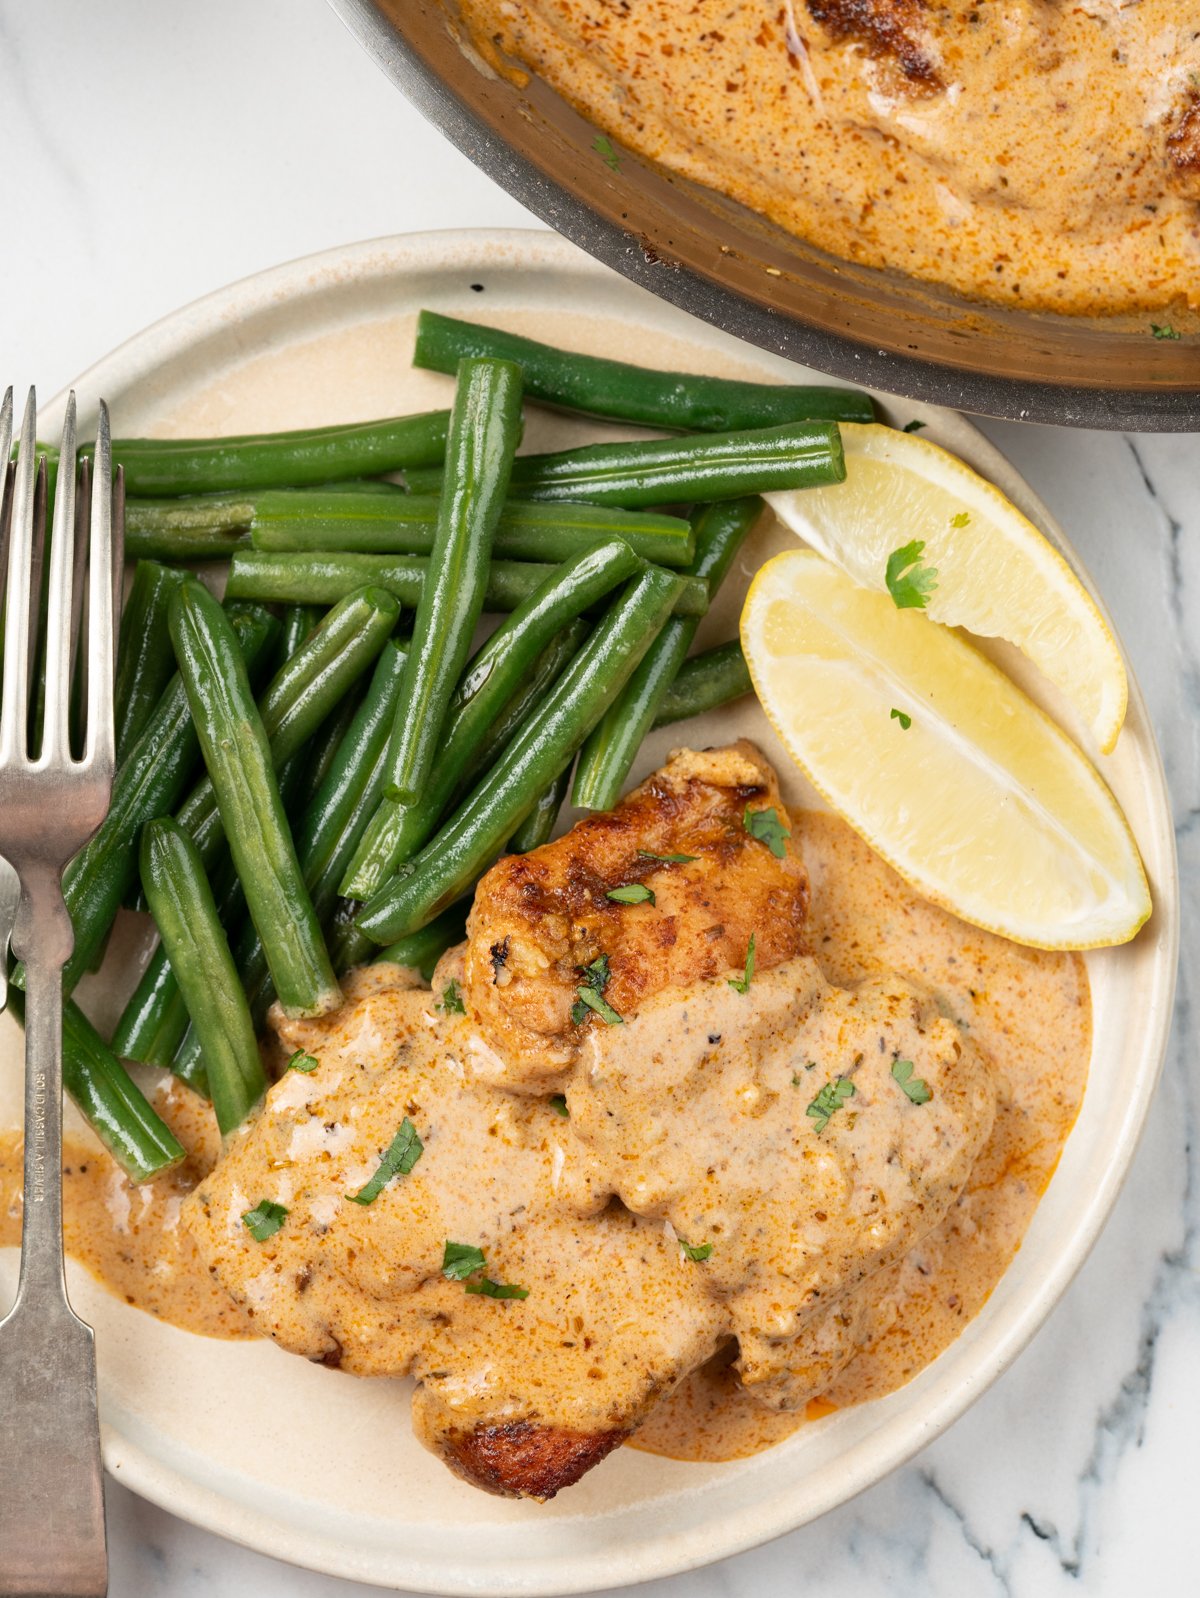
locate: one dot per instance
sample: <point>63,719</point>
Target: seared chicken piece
<point>737,1161</point>
<point>520,1395</point>
<point>539,920</point>
<point>897,31</point>
<point>807,1135</point>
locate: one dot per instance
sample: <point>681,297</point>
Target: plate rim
<point>590,1570</point>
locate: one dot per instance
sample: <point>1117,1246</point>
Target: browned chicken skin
<point>688,1200</point>
<point>539,919</point>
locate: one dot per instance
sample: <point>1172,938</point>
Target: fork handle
<point>51,1490</point>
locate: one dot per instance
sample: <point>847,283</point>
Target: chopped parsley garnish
<point>830,1100</point>
<point>960,519</point>
<point>401,1154</point>
<point>913,427</point>
<point>696,1251</point>
<point>1165,331</point>
<point>668,859</point>
<point>905,721</point>
<point>918,1091</point>
<point>632,893</point>
<point>603,147</point>
<point>491,1289</point>
<point>742,983</point>
<point>908,581</point>
<point>451,1002</point>
<point>589,999</point>
<point>302,1062</point>
<point>558,1103</point>
<point>264,1220</point>
<point>460,1260</point>
<point>766,826</point>
<point>591,994</point>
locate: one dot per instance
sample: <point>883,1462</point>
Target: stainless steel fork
<point>51,801</point>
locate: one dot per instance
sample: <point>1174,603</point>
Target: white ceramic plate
<point>320,1468</point>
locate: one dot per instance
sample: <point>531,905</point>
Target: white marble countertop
<point>157,151</point>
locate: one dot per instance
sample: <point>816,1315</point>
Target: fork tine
<point>56,736</point>
<point>101,631</point>
<point>6,415</point>
<point>14,702</point>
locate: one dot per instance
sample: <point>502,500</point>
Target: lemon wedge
<point>997,575</point>
<point>939,761</point>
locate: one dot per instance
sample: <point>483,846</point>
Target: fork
<point>51,801</point>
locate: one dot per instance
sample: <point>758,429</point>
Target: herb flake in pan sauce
<point>591,994</point>
<point>742,983</point>
<point>451,1002</point>
<point>917,1089</point>
<point>697,1252</point>
<point>300,1061</point>
<point>461,1260</point>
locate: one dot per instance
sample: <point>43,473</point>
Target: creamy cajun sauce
<point>1037,152</point>
<point>1027,1013</point>
<point>128,1235</point>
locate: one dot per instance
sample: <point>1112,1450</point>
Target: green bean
<point>666,471</point>
<point>145,659</point>
<point>323,579</point>
<point>425,948</point>
<point>149,783</point>
<point>328,832</point>
<point>108,1098</point>
<point>606,759</point>
<point>538,826</point>
<point>398,831</point>
<point>299,622</point>
<point>153,1022</point>
<point>540,751</point>
<point>309,520</point>
<point>164,466</point>
<point>485,428</point>
<point>619,392</point>
<point>706,682</point>
<point>488,685</point>
<point>194,527</point>
<point>304,691</point>
<point>182,905</point>
<point>239,760</point>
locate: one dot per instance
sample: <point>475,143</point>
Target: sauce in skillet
<point>1035,152</point>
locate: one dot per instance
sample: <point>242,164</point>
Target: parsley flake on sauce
<point>491,1289</point>
<point>264,1220</point>
<point>918,1090</point>
<point>558,1103</point>
<point>908,581</point>
<point>1165,331</point>
<point>603,147</point>
<point>914,426</point>
<point>300,1061</point>
<point>591,994</point>
<point>460,1260</point>
<point>451,1002</point>
<point>905,721</point>
<point>632,893</point>
<point>766,826</point>
<point>696,1251</point>
<point>668,859</point>
<point>742,983</point>
<point>829,1101</point>
<point>401,1154</point>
